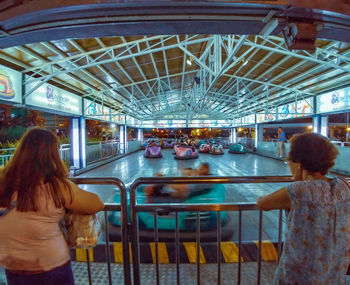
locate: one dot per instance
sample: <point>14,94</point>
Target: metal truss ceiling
<point>184,76</point>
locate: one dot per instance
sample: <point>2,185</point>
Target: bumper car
<point>166,221</point>
<point>204,148</point>
<point>237,148</point>
<point>168,144</point>
<point>217,149</point>
<point>185,152</point>
<point>153,151</point>
<point>200,142</point>
<point>225,144</point>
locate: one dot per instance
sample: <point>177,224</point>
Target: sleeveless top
<point>33,241</point>
<point>317,237</point>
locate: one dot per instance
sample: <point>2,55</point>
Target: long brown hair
<point>35,161</point>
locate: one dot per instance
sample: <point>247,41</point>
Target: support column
<point>140,135</point>
<point>324,125</point>
<point>257,135</point>
<point>320,124</point>
<point>234,135</point>
<point>78,142</point>
<point>122,139</point>
<point>316,124</point>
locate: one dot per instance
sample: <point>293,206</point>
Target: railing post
<point>134,235</point>
<point>124,220</point>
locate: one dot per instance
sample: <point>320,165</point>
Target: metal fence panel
<point>161,207</point>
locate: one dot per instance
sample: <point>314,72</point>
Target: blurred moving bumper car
<point>166,221</point>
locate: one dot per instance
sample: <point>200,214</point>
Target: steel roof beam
<point>116,58</point>
<point>124,101</point>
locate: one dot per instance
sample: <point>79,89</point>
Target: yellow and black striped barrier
<point>188,252</point>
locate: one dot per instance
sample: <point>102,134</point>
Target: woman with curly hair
<point>34,194</point>
<point>316,246</point>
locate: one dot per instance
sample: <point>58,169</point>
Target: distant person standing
<point>280,143</point>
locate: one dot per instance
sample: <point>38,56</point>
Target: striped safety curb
<point>188,252</point>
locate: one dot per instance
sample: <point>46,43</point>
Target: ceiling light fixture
<point>245,62</point>
<point>189,62</point>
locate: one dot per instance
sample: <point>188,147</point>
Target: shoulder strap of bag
<point>7,210</point>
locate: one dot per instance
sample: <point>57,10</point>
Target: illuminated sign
<point>130,120</point>
<point>96,111</point>
<point>334,101</point>
<point>248,120</point>
<point>210,123</point>
<point>118,119</point>
<point>10,85</point>
<point>54,98</point>
<point>268,116</point>
<point>294,110</point>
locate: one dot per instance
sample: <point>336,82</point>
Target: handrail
<point>176,207</point>
<point>124,221</point>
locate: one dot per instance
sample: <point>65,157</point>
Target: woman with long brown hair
<point>34,194</point>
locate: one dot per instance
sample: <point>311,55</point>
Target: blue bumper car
<point>237,148</point>
<point>166,221</point>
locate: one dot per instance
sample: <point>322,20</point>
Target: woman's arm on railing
<point>276,200</point>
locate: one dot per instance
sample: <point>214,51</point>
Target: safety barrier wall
<point>133,146</point>
<point>341,163</point>
<point>100,150</point>
<point>270,148</point>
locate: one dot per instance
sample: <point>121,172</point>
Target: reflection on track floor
<point>188,273</point>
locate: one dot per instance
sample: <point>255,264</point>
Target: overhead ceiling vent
<point>300,36</point>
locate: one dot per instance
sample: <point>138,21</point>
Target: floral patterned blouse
<point>316,248</point>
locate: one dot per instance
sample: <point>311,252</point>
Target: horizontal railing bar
<point>213,179</point>
<point>112,207</point>
<point>173,207</point>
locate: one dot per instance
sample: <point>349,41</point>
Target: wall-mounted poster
<point>51,97</point>
<point>10,85</point>
<point>334,101</point>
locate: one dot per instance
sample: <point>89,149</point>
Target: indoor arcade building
<point>142,93</point>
